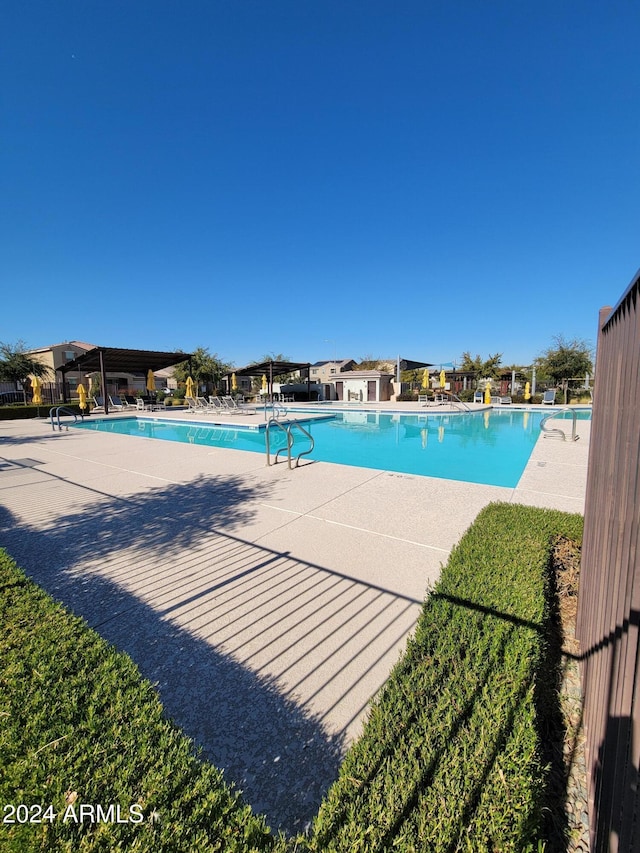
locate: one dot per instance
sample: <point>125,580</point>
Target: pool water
<point>490,447</point>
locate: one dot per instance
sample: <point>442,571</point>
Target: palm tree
<point>16,365</point>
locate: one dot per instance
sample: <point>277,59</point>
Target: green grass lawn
<point>452,756</point>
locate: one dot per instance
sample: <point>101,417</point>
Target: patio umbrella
<point>264,383</point>
<point>82,394</point>
<point>425,379</point>
<point>487,393</point>
<point>527,391</point>
<point>151,381</point>
<point>190,387</point>
<point>234,382</point>
<point>36,386</point>
<point>443,379</point>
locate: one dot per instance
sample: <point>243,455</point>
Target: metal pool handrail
<point>555,432</point>
<point>289,441</point>
<point>57,410</point>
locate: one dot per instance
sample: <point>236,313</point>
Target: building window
<point>69,355</point>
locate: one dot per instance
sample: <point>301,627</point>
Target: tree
<point>204,369</point>
<point>490,368</point>
<point>368,362</point>
<point>16,365</point>
<point>564,361</point>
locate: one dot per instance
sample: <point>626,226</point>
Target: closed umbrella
<point>37,388</point>
<point>234,382</point>
<point>190,387</point>
<point>425,379</point>
<point>264,383</point>
<point>443,379</point>
<point>487,393</point>
<point>527,391</point>
<point>151,381</point>
<point>82,394</point>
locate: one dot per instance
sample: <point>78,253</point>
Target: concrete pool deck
<point>267,605</point>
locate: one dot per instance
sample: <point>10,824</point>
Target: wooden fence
<point>609,600</point>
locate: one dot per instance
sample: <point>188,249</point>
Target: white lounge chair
<point>233,407</point>
<point>217,405</point>
<point>197,405</point>
<point>505,401</point>
<point>478,397</point>
<point>549,397</point>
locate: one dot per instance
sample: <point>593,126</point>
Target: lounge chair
<point>128,402</point>
<point>233,407</point>
<point>505,401</point>
<point>198,405</point>
<point>549,397</point>
<point>217,405</point>
<point>98,405</point>
<point>478,397</point>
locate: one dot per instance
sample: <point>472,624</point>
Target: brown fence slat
<point>609,604</point>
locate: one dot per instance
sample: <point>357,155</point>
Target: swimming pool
<point>490,447</point>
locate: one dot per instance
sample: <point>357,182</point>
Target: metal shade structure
<point>407,364</point>
<point>111,360</point>
<point>272,368</point>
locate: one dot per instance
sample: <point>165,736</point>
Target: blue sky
<point>317,177</point>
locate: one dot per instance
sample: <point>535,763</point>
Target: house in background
<point>324,373</point>
<point>55,356</point>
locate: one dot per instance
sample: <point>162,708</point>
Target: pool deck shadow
<point>269,605</point>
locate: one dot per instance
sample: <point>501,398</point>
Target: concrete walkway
<point>267,605</point>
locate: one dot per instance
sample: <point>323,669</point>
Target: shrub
<point>466,395</point>
<point>10,413</point>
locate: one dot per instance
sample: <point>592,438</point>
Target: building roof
<point>74,344</point>
<point>362,374</point>
<point>332,361</point>
<point>125,360</point>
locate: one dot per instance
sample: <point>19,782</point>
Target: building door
<point>339,390</point>
<point>371,390</point>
